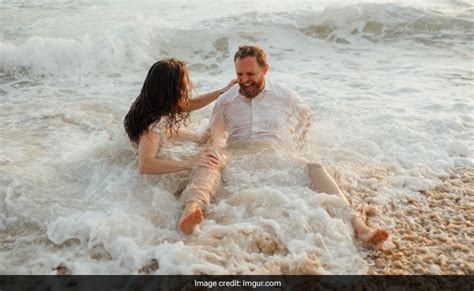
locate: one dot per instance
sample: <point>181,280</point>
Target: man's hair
<point>251,51</point>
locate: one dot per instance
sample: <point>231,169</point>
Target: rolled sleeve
<point>304,117</point>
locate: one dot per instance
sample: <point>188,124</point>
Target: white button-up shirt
<point>276,114</point>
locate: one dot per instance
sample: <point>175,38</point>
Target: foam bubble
<point>459,148</point>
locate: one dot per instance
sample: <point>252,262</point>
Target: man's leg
<point>322,182</point>
<point>201,189</point>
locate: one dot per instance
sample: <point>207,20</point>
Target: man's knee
<point>315,166</point>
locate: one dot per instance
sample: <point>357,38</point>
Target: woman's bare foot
<point>368,234</point>
<point>192,216</point>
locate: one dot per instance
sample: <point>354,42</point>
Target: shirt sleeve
<point>303,115</point>
<point>159,128</point>
<point>155,127</point>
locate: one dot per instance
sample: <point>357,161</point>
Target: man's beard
<point>253,90</point>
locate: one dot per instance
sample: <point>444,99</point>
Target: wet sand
<point>433,234</point>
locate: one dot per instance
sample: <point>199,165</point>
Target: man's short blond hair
<point>251,51</point>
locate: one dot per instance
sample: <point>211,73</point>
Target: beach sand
<point>433,234</point>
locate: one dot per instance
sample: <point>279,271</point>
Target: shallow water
<point>390,85</point>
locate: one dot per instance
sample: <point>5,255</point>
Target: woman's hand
<point>231,83</point>
<point>208,158</point>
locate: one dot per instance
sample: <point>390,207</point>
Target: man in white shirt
<point>261,110</point>
<point>275,114</point>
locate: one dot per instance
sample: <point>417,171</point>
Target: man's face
<point>250,75</point>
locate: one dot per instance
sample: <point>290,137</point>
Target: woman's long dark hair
<point>165,88</point>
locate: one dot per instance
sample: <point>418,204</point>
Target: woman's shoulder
<point>158,126</point>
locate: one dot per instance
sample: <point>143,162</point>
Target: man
<point>261,110</point>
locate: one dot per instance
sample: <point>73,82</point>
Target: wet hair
<point>165,87</point>
<point>251,51</point>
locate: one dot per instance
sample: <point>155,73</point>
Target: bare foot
<point>368,234</point>
<point>191,217</point>
<point>375,236</point>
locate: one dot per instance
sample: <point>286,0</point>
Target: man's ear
<point>265,69</point>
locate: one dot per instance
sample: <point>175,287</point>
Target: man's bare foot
<point>375,236</point>
<point>368,234</point>
<point>191,217</point>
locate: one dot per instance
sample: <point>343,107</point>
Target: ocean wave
<point>388,22</point>
<point>124,48</point>
<point>208,44</point>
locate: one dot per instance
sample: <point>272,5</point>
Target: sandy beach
<point>438,238</point>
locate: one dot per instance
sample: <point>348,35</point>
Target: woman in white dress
<point>158,112</point>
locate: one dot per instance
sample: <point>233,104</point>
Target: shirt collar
<point>268,86</point>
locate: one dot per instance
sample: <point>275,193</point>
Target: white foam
<point>389,84</point>
<point>459,148</point>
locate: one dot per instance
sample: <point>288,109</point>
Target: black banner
<point>227,282</point>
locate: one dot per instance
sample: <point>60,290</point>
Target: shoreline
<point>436,238</point>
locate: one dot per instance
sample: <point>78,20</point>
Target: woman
<point>160,110</point>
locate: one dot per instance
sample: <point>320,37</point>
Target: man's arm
<point>304,117</point>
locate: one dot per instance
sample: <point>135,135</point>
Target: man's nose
<point>244,79</point>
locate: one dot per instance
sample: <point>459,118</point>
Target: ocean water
<point>390,84</point>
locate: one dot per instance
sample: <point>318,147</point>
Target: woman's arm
<point>203,100</point>
<point>149,164</point>
<point>183,134</point>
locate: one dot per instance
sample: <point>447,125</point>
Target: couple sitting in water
<point>256,110</point>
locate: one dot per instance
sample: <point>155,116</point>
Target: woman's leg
<point>322,182</point>
<point>201,188</point>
